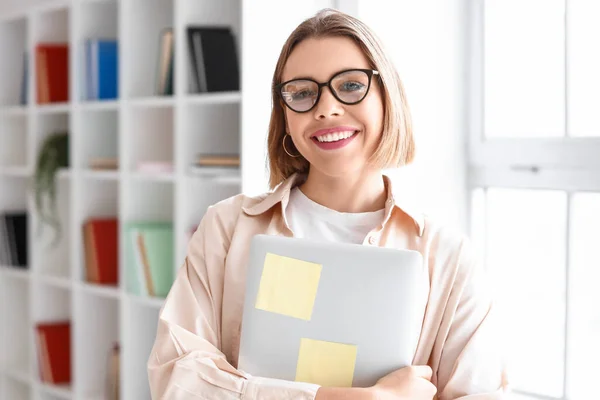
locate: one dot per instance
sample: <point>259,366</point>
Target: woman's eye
<point>303,94</point>
<point>352,86</point>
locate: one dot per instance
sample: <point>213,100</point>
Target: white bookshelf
<point>139,126</point>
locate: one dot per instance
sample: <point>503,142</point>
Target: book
<point>112,373</point>
<point>160,253</point>
<point>164,76</point>
<point>102,69</point>
<point>18,223</point>
<point>4,247</point>
<point>52,69</point>
<point>13,239</point>
<point>54,351</point>
<point>43,357</point>
<point>101,245</point>
<point>42,84</point>
<point>149,258</point>
<point>24,80</point>
<point>104,163</point>
<point>91,265</point>
<point>214,58</point>
<point>218,160</point>
<point>142,259</point>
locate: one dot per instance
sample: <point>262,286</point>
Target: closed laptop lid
<point>345,307</point>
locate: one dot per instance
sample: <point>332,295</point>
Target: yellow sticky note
<point>327,364</point>
<point>288,286</point>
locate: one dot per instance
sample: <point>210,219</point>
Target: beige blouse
<point>197,344</point>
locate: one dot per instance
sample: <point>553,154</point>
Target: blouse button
<point>371,239</point>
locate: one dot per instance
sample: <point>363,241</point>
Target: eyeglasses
<point>348,87</point>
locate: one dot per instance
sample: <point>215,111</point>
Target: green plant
<point>53,155</point>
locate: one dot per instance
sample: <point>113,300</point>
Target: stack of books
<point>100,80</point>
<point>216,165</point>
<point>52,71</point>
<point>214,59</point>
<point>150,255</point>
<point>101,248</point>
<point>54,351</point>
<point>104,163</point>
<point>13,239</point>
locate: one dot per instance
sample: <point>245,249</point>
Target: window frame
<point>569,164</point>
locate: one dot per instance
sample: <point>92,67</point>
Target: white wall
<point>426,41</point>
<point>8,7</point>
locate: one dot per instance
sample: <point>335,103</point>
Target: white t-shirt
<point>311,220</point>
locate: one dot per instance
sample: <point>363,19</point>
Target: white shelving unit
<point>139,126</point>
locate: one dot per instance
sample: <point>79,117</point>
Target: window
<point>534,174</point>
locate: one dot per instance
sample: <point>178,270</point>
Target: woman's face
<point>333,154</point>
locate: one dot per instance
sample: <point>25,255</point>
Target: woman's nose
<point>328,105</point>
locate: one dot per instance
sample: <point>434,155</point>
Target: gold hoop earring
<point>284,149</point>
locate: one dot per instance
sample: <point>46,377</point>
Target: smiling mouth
<point>334,137</point>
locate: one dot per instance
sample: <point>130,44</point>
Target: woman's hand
<point>412,383</point>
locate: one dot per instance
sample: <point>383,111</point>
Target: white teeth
<point>334,137</point>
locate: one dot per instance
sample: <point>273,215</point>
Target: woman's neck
<point>354,193</point>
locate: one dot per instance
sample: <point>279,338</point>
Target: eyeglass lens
<point>349,87</point>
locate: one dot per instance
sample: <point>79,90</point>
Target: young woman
<point>339,118</point>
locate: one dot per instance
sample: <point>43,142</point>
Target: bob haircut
<point>396,147</point>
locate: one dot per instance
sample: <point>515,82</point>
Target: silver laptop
<point>365,304</point>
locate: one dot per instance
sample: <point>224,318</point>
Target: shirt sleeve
<point>472,365</point>
<point>186,361</point>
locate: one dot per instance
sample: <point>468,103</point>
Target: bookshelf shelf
<point>59,391</point>
<point>152,102</point>
<point>111,105</point>
<point>59,108</point>
<point>17,390</point>
<point>149,177</point>
<point>101,175</point>
<point>15,273</point>
<point>15,171</point>
<point>18,373</point>
<point>146,301</point>
<point>213,98</point>
<point>129,159</point>
<point>99,290</point>
<point>55,281</point>
<point>13,111</point>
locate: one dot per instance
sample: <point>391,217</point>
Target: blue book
<point>102,69</point>
<point>108,69</point>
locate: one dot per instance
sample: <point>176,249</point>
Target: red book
<point>52,67</point>
<point>54,349</point>
<point>102,250</point>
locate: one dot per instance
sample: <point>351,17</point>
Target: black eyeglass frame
<point>320,85</point>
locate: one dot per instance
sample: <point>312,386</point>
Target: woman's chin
<point>337,171</point>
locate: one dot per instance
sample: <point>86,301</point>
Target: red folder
<point>54,350</point>
<point>52,68</point>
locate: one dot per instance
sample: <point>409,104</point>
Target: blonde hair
<point>396,147</point>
